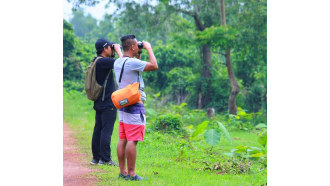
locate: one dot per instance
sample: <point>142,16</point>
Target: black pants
<point>104,122</point>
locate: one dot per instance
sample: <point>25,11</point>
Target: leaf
<point>190,127</point>
<point>157,95</point>
<point>229,154</point>
<point>225,132</point>
<point>263,138</point>
<point>241,113</point>
<point>183,104</point>
<point>261,125</point>
<point>200,128</point>
<point>257,155</point>
<point>253,150</point>
<point>240,149</point>
<point>151,112</point>
<point>212,137</point>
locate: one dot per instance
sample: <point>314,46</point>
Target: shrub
<point>73,85</point>
<point>168,123</point>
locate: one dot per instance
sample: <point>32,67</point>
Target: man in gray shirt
<point>132,118</point>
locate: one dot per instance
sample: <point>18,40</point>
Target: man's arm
<point>152,64</point>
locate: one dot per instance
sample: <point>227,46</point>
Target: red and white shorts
<point>132,121</point>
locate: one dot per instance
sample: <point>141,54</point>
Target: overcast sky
<point>96,11</point>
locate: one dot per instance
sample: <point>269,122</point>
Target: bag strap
<point>122,70</point>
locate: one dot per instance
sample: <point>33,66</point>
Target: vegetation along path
<point>75,170</point>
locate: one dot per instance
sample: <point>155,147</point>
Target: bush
<point>168,123</point>
<point>73,85</point>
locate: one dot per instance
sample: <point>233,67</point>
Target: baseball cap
<point>101,43</point>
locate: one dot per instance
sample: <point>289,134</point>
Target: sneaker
<point>112,163</point>
<point>108,163</point>
<point>134,178</point>
<point>122,176</point>
<point>93,162</point>
<point>101,162</point>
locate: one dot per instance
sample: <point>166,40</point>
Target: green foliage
<point>82,24</point>
<point>263,138</point>
<point>244,120</point>
<point>73,85</point>
<point>212,137</point>
<point>253,153</point>
<point>68,39</point>
<point>236,165</point>
<point>171,156</point>
<point>172,99</point>
<point>168,123</point>
<point>177,44</point>
<point>200,128</point>
<point>260,126</point>
<point>220,37</point>
<point>224,131</point>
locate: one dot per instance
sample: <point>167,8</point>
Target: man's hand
<point>152,65</point>
<point>117,49</point>
<point>146,45</point>
<point>138,55</point>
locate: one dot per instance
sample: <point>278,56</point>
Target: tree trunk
<point>204,97</point>
<point>199,100</point>
<point>234,85</point>
<point>206,74</point>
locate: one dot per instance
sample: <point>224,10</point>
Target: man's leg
<point>131,157</point>
<point>96,136</point>
<point>108,120</point>
<point>121,155</point>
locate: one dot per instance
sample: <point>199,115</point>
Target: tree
<point>234,85</point>
<point>202,14</point>
<point>83,25</point>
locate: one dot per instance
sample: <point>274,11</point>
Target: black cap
<point>101,43</point>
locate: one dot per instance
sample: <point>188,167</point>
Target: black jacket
<point>103,66</point>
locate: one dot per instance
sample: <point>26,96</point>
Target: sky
<point>96,11</point>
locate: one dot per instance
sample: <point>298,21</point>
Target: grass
<point>163,158</point>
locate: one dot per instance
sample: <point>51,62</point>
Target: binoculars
<point>140,46</point>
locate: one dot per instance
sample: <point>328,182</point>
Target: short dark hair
<point>127,41</point>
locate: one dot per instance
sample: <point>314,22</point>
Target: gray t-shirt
<point>132,68</point>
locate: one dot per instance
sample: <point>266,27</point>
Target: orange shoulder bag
<point>128,95</point>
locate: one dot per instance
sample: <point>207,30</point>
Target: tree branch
<point>190,13</point>
<point>193,14</point>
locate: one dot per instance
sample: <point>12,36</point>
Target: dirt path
<point>75,169</point>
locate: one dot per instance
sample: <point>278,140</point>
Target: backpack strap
<point>106,79</point>
<point>105,84</point>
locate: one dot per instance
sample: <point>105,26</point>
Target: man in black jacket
<point>106,112</point>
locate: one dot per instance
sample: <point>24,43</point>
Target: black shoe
<point>93,162</point>
<point>108,163</point>
<point>122,176</point>
<point>134,178</point>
